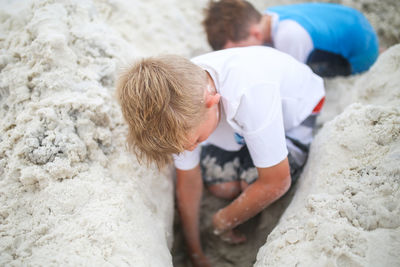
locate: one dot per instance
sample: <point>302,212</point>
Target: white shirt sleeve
<point>188,159</point>
<point>290,37</point>
<point>260,116</point>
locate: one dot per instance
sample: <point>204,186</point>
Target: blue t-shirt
<point>337,29</point>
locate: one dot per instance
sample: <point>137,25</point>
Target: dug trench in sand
<point>346,206</point>
<point>70,194</point>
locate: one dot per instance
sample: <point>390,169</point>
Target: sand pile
<point>70,194</point>
<point>346,211</point>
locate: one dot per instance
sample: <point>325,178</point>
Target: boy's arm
<point>271,184</point>
<point>189,189</point>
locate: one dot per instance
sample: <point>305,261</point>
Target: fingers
<point>233,237</point>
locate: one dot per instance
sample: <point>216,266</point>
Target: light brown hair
<point>228,20</point>
<point>161,100</point>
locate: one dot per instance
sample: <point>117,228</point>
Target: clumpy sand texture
<point>346,211</point>
<point>71,195</point>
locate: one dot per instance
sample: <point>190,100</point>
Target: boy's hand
<point>232,236</point>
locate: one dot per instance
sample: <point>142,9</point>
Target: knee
<point>243,185</point>
<point>228,190</point>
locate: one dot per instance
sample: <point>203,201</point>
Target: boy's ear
<point>212,100</point>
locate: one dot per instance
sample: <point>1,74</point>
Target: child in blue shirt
<point>332,39</point>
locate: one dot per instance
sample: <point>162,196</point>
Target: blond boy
<point>254,103</point>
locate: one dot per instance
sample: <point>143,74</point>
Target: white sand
<point>71,195</point>
<point>346,211</point>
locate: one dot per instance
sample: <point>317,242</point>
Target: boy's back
<point>239,71</point>
<point>334,28</point>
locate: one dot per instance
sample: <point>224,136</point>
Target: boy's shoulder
<point>243,56</point>
<point>237,68</point>
<point>236,51</point>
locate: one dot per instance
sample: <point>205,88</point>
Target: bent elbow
<point>275,190</point>
<point>283,185</point>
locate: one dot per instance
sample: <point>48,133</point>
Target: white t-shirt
<point>290,37</point>
<point>264,93</point>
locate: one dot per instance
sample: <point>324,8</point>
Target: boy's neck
<point>265,24</point>
<point>211,82</point>
<point>214,91</point>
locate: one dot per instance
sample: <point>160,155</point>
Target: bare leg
<point>243,185</point>
<point>227,190</point>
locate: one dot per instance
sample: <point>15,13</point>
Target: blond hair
<point>229,20</point>
<point>161,100</point>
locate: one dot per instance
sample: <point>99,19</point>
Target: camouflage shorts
<point>220,166</point>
